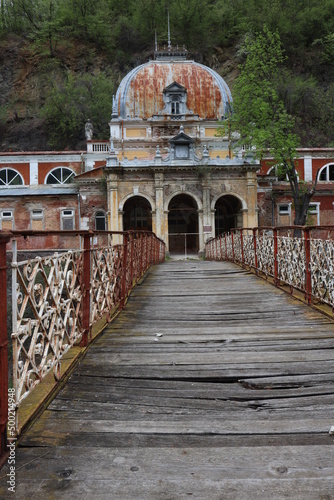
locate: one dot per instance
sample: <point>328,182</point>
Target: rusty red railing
<point>304,262</point>
<point>58,297</point>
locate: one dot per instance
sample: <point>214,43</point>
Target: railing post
<point>86,272</point>
<point>4,239</point>
<point>141,255</point>
<point>220,246</point>
<point>226,255</point>
<point>152,250</point>
<point>146,252</point>
<point>156,250</point>
<point>255,251</point>
<point>132,240</point>
<point>308,277</point>
<point>124,269</point>
<point>232,241</point>
<point>276,280</point>
<point>242,248</point>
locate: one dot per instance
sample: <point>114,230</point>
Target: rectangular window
<point>313,214</point>
<point>284,214</point>
<point>284,209</point>
<point>175,108</point>
<point>67,220</point>
<point>37,220</point>
<point>7,220</point>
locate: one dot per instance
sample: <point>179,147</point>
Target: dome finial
<point>169,41</point>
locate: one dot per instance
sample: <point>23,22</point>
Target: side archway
<point>137,214</point>
<point>228,213</point>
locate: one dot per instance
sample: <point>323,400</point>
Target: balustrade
<point>304,263</point>
<point>56,300</point>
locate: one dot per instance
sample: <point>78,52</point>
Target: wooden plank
<point>241,473</point>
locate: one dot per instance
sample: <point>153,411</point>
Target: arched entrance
<point>227,214</point>
<point>137,214</point>
<point>183,225</point>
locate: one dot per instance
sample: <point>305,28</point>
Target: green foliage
<point>259,114</point>
<point>122,33</point>
<point>260,117</point>
<point>71,103</point>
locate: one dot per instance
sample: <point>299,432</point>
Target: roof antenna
<point>169,42</point>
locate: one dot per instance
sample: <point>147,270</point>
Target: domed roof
<point>140,94</point>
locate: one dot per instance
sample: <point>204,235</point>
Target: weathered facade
<point>165,167</point>
<point>167,164</point>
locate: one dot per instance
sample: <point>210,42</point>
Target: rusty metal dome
<point>140,94</point>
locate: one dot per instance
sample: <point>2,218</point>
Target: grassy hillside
<point>61,61</point>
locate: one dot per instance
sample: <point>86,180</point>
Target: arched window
<point>279,173</point>
<point>100,221</point>
<point>59,175</point>
<point>327,173</point>
<point>10,177</point>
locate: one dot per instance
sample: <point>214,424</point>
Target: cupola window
<point>175,100</point>
<point>175,105</point>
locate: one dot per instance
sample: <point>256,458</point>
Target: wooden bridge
<point>210,384</point>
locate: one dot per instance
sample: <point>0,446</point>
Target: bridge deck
<point>212,384</point>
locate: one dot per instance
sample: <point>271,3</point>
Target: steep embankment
<point>28,73</point>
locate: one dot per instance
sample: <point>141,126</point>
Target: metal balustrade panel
<point>57,299</point>
<point>301,262</point>
<point>46,317</point>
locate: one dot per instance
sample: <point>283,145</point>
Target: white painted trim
<point>308,175</point>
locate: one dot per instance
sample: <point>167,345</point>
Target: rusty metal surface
<point>303,263</point>
<point>141,92</point>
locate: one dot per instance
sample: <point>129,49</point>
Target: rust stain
<point>145,93</point>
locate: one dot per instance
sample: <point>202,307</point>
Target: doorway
<point>183,225</point>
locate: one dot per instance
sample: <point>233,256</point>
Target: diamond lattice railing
<point>57,299</point>
<point>105,280</point>
<point>301,262</point>
<point>47,317</point>
<point>322,270</point>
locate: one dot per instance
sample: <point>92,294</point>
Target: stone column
<point>206,218</point>
<point>113,215</point>
<point>159,205</point>
<point>252,199</point>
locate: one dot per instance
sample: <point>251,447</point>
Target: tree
<point>71,103</point>
<point>260,118</point>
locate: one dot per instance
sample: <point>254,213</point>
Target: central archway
<point>137,214</point>
<point>228,214</point>
<point>183,225</point>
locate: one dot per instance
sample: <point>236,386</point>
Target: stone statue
<point>89,130</point>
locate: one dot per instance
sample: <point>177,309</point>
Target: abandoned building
<point>165,167</point>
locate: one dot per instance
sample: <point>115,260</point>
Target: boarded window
<point>7,220</point>
<point>67,220</point>
<point>37,220</point>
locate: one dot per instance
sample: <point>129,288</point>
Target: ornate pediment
<point>175,87</point>
<point>182,146</point>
